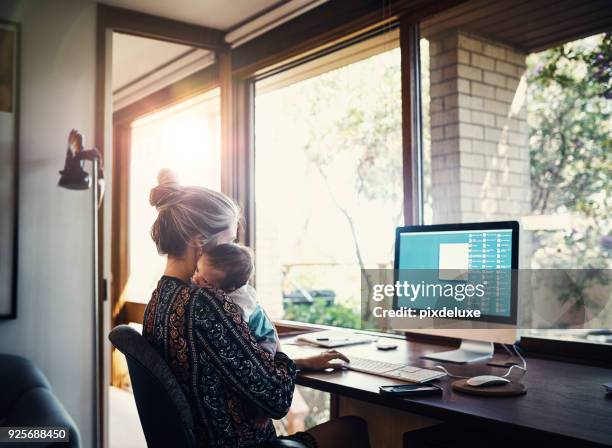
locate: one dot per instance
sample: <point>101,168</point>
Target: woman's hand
<point>321,361</point>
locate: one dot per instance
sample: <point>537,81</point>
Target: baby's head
<point>226,266</point>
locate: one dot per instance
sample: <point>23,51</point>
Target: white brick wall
<point>479,148</point>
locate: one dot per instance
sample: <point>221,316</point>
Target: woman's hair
<point>235,261</point>
<point>186,214</point>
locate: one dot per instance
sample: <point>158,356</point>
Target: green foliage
<point>570,128</point>
<point>319,313</point>
<point>579,66</point>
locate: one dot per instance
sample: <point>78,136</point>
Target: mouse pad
<point>511,389</point>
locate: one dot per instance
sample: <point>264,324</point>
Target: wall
<point>479,138</point>
<point>54,324</point>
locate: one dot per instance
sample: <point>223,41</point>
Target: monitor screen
<point>451,257</point>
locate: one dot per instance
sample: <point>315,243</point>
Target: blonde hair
<point>186,214</point>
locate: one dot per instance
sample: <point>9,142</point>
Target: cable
<point>450,374</point>
<point>522,367</point>
<point>507,349</point>
<point>523,361</point>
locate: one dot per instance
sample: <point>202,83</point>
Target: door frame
<point>107,135</point>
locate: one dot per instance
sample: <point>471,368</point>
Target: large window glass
<point>186,139</point>
<point>328,180</point>
<point>517,126</point>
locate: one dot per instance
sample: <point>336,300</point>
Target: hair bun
<point>168,192</point>
<point>167,176</point>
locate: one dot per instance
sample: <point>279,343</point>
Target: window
<point>186,139</point>
<point>328,180</point>
<point>518,127</point>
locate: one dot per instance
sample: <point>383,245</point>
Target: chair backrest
<point>163,409</point>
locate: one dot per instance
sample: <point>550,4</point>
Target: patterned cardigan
<point>224,373</point>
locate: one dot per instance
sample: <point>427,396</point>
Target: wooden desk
<point>565,402</point>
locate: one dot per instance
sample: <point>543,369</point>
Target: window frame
<point>243,188</point>
<point>251,69</point>
<point>311,35</point>
<point>583,352</point>
<point>371,42</point>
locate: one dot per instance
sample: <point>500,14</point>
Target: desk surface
<point>563,399</point>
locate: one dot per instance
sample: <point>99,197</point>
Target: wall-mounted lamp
<point>74,177</point>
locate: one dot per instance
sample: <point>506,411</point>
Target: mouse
<point>382,345</point>
<point>487,380</point>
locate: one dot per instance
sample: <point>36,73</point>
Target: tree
<point>569,117</point>
<point>354,123</point>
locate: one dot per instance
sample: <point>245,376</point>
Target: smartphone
<point>411,389</point>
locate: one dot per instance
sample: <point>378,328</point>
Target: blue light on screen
<point>483,256</point>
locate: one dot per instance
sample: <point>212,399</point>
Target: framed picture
<point>9,165</point>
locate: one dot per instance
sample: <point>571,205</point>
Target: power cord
<point>522,367</point>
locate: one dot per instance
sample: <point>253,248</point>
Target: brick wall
<point>479,137</point>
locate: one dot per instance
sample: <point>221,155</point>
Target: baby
<point>229,267</point>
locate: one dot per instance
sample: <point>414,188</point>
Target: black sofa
<point>26,399</point>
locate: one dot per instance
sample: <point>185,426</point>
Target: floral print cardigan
<point>224,373</point>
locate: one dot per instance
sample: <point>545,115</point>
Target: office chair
<point>165,414</point>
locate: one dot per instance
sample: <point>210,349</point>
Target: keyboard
<point>403,372</point>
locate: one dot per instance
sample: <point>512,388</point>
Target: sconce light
<point>73,176</point>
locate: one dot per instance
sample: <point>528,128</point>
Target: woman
<point>226,376</point>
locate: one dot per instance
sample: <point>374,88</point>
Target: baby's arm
<point>260,325</point>
<point>264,330</point>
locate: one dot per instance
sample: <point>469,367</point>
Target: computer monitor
<point>451,254</point>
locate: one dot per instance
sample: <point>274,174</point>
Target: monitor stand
<point>468,352</point>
